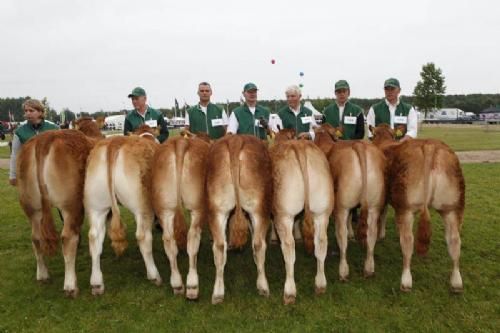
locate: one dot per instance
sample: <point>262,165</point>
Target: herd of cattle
<point>239,183</point>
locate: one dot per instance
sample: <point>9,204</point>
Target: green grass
<point>132,304</point>
<point>4,152</point>
<point>464,139</point>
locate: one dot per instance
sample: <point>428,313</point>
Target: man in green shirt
<point>206,117</point>
<point>144,114</point>
<point>249,118</point>
<point>34,113</point>
<point>345,114</point>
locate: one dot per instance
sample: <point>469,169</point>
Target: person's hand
<point>405,138</point>
<point>13,182</point>
<point>304,136</point>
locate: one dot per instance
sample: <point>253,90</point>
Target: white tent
<point>115,122</point>
<point>309,105</point>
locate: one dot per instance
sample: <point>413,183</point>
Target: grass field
<point>132,304</point>
<point>464,138</point>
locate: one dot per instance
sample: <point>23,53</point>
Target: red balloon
<point>273,61</point>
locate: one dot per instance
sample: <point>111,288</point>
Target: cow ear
<point>100,121</point>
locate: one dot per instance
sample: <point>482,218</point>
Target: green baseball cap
<point>138,91</point>
<point>341,84</point>
<point>392,82</point>
<point>249,86</point>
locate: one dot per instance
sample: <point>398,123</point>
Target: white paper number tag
<point>306,119</point>
<point>350,120</point>
<point>217,122</point>
<point>273,116</point>
<point>400,119</point>
<point>151,123</point>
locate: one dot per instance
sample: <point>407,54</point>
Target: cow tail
<point>307,225</point>
<point>49,236</point>
<point>362,227</point>
<point>180,229</point>
<point>117,232</point>
<point>238,226</point>
<point>424,231</point>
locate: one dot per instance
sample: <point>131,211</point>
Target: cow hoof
<point>344,278</point>
<point>319,290</point>
<point>43,280</point>
<point>157,282</point>
<point>178,290</point>
<point>457,290</point>
<point>71,293</point>
<point>98,290</point>
<point>288,299</point>
<point>192,293</point>
<point>405,289</point>
<point>263,292</point>
<point>368,275</point>
<point>217,299</point>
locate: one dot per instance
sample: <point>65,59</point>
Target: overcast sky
<point>88,55</point>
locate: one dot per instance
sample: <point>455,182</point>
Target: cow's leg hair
<point>97,231</point>
<point>42,273</point>
<point>70,237</point>
<point>219,248</point>
<point>284,226</point>
<point>144,238</point>
<point>259,246</point>
<point>371,239</point>
<point>341,216</point>
<point>452,235</point>
<point>404,220</point>
<point>320,250</point>
<point>193,246</point>
<point>170,246</point>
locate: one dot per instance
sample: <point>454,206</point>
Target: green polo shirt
<point>28,130</point>
<point>134,120</point>
<point>246,120</point>
<point>201,122</point>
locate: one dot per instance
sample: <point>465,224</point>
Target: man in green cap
<point>144,114</point>
<point>206,117</point>
<point>294,115</point>
<point>345,114</point>
<point>402,117</point>
<point>249,118</point>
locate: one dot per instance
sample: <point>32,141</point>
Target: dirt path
<point>479,156</point>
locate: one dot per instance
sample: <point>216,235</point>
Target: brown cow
<point>424,173</point>
<point>119,169</point>
<point>301,181</point>
<point>358,172</point>
<point>51,170</point>
<point>178,181</point>
<point>238,178</point>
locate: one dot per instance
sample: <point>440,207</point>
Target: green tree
<point>430,89</point>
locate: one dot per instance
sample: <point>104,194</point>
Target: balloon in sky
<point>301,85</point>
<point>273,61</point>
<point>301,73</point>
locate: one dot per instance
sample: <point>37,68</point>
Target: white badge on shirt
<point>400,119</point>
<point>151,123</point>
<point>306,119</point>
<point>217,122</point>
<point>273,116</point>
<point>350,120</point>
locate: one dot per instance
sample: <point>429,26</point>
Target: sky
<point>88,55</point>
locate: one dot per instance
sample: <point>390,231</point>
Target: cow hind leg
<point>452,235</point>
<point>259,251</point>
<point>341,216</point>
<point>218,227</point>
<point>284,226</point>
<point>42,273</point>
<point>320,250</point>
<point>144,238</point>
<point>404,221</point>
<point>170,246</point>
<point>371,239</point>
<point>382,223</point>
<point>97,232</point>
<point>193,246</point>
<point>70,237</point>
